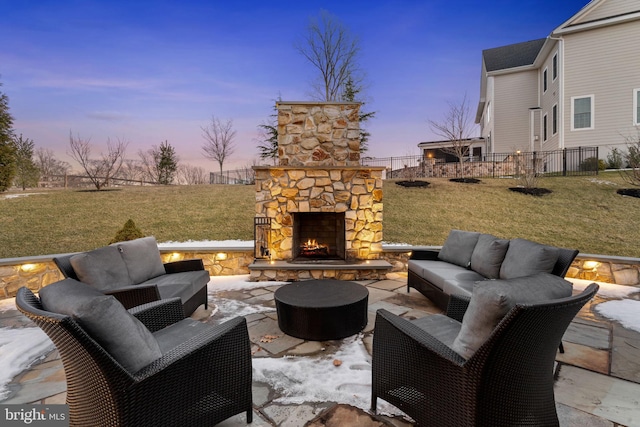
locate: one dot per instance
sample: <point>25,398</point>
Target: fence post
<point>564,162</point>
<point>597,160</point>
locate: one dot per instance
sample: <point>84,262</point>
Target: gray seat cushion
<point>458,247</point>
<point>142,258</point>
<point>492,299</point>
<point>102,268</point>
<point>459,287</point>
<point>525,258</point>
<point>173,335</point>
<point>419,266</point>
<point>488,255</point>
<point>441,327</point>
<point>183,285</point>
<point>438,276</point>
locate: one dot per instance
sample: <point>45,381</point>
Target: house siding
<point>514,95</point>
<point>604,63</point>
<point>548,99</point>
<point>608,9</point>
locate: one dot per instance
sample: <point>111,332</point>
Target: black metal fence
<point>567,162</point>
<point>237,176</point>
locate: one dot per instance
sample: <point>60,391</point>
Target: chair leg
<point>561,348</point>
<point>374,403</point>
<point>249,416</point>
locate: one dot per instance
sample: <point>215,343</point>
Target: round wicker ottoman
<point>319,310</point>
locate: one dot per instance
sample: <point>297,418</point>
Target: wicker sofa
<point>468,257</point>
<point>133,272</point>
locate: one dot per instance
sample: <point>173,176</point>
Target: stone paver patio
<point>598,376</point>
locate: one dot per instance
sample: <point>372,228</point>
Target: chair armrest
<point>424,255</point>
<point>184,265</point>
<point>159,314</point>
<point>457,306</point>
<point>228,342</point>
<point>132,296</point>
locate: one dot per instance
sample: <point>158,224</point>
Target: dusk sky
<point>149,71</point>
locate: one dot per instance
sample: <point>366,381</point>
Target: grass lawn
<point>582,212</point>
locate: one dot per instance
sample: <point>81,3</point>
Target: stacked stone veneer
<point>318,134</point>
<point>282,191</point>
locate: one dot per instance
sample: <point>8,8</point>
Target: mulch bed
<point>533,191</point>
<point>632,192</point>
<point>413,184</point>
<point>466,180</point>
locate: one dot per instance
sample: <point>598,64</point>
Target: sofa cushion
<point>64,296</point>
<point>102,268</point>
<point>441,327</point>
<point>459,286</point>
<point>438,276</point>
<point>123,336</point>
<point>183,285</point>
<point>142,258</point>
<point>492,299</point>
<point>488,255</point>
<point>524,258</point>
<point>458,247</point>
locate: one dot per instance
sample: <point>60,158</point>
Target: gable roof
<point>512,56</point>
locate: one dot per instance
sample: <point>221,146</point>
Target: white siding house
<point>578,87</point>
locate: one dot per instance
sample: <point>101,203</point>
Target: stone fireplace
<point>325,209</point>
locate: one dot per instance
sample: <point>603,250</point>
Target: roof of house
<point>512,56</point>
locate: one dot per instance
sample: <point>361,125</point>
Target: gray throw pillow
<point>102,268</point>
<point>492,299</point>
<point>525,258</point>
<point>64,296</point>
<point>123,336</point>
<point>142,259</point>
<point>458,247</point>
<point>488,255</point>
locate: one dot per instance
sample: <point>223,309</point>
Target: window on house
<point>554,120</point>
<point>582,112</point>
<point>554,67</point>
<point>544,80</point>
<point>636,107</point>
<point>544,127</point>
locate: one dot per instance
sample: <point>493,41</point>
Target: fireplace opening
<point>318,236</point>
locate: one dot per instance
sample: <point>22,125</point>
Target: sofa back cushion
<point>121,335</point>
<point>102,268</point>
<point>458,247</point>
<point>525,258</point>
<point>142,258</point>
<point>491,300</point>
<point>488,255</point>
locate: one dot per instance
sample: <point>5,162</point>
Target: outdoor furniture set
<point>488,361</point>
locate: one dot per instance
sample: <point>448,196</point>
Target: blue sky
<point>149,71</point>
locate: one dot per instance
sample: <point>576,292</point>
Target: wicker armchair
<point>201,382</point>
<point>507,382</point>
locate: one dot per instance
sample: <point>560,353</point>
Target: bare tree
<point>191,175</point>
<point>100,171</point>
<point>632,157</point>
<point>131,170</point>
<point>218,140</point>
<point>456,128</point>
<point>330,48</point>
<point>48,164</point>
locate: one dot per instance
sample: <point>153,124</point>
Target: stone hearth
<point>319,171</point>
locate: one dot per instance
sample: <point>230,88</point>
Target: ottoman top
<point>321,293</point>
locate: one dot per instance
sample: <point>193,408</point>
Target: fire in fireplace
<point>318,236</point>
